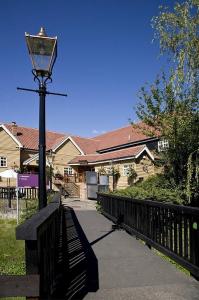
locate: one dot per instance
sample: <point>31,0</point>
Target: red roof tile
<point>124,153</point>
<point>87,145</point>
<point>118,137</point>
<point>29,137</point>
<point>121,136</point>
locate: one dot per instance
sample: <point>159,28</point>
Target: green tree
<point>173,119</point>
<point>170,105</point>
<point>177,33</point>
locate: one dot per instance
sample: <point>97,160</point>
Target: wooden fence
<point>172,229</point>
<point>43,253</point>
<point>25,193</point>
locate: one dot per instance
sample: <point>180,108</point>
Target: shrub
<point>159,181</point>
<point>132,175</point>
<point>32,207</point>
<point>155,188</point>
<point>30,210</point>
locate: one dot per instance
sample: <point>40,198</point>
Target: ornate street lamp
<point>43,53</point>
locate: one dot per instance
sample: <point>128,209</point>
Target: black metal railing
<point>43,236</point>
<point>172,229</point>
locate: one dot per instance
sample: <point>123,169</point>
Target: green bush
<point>159,181</point>
<point>31,209</point>
<point>156,188</point>
<point>98,207</point>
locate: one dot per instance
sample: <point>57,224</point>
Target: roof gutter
<point>101,161</point>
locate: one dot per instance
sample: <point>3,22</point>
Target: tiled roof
<point>118,137</point>
<point>29,137</point>
<point>87,145</point>
<point>121,136</point>
<point>124,153</point>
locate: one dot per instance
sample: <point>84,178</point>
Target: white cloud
<point>95,131</point>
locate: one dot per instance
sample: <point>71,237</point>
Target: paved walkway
<point>126,268</point>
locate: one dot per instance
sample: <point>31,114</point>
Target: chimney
<point>14,128</point>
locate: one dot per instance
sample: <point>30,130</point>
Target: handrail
<point>43,243</point>
<point>189,209</point>
<point>44,240</point>
<point>29,229</point>
<point>171,229</point>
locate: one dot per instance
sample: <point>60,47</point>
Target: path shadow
<point>102,237</point>
<point>81,265</point>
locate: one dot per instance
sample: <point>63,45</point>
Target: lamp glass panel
<point>42,52</point>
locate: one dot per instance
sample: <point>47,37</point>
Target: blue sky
<point>105,55</point>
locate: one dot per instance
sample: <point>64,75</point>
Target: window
<point>163,145</point>
<point>68,171</point>
<point>3,161</point>
<point>126,169</point>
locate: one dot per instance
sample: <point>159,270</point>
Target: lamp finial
<point>42,32</point>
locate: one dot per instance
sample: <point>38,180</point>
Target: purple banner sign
<point>28,180</point>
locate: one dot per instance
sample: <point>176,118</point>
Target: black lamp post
<point>43,53</point>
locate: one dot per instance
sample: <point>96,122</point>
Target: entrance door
<point>92,184</point>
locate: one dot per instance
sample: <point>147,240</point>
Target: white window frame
<point>3,162</point>
<point>126,169</point>
<point>68,171</point>
<point>163,145</point>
